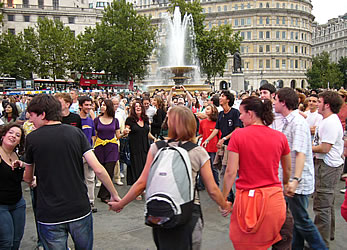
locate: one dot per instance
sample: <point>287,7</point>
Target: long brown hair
<point>133,115</point>
<point>214,115</point>
<point>182,124</point>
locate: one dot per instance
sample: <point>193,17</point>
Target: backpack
<point>170,192</point>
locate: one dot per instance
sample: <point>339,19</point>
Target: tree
<point>213,46</point>
<point>55,48</point>
<point>323,72</point>
<point>16,56</point>
<point>342,64</point>
<point>85,51</point>
<point>124,42</point>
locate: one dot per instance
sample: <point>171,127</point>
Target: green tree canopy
<point>124,41</point>
<point>17,58</point>
<point>323,72</point>
<point>85,51</point>
<point>342,64</point>
<point>213,46</point>
<point>55,48</point>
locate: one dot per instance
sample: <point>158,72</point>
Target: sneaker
<point>98,184</point>
<point>119,183</point>
<point>343,190</point>
<point>94,209</point>
<point>121,175</point>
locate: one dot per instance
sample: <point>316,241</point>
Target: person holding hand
<point>182,128</point>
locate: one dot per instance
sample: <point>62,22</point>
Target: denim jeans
<point>55,236</point>
<point>33,194</point>
<point>214,170</point>
<point>12,222</point>
<point>304,229</point>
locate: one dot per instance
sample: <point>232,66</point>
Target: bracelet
<point>207,141</point>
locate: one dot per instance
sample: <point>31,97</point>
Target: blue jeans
<point>33,194</point>
<point>55,236</point>
<point>214,170</point>
<point>12,222</point>
<point>304,229</point>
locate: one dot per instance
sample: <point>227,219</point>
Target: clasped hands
<point>227,209</point>
<point>115,204</point>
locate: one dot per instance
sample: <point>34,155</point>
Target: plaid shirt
<point>298,135</point>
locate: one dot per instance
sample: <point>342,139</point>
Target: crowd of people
<point>260,155</point>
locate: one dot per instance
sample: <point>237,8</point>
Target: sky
<point>324,10</point>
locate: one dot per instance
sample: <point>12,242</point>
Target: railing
<point>51,8</point>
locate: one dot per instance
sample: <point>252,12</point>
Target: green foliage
<point>324,71</point>
<point>123,41</point>
<point>16,57</point>
<point>55,48</point>
<point>213,45</point>
<point>85,51</point>
<point>342,64</point>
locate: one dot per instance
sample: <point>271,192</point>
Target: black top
<point>158,119</point>
<point>72,119</point>
<point>56,151</point>
<point>227,123</point>
<point>10,184</point>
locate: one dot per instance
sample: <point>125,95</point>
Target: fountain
<point>177,54</point>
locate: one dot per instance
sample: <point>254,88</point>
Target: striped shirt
<point>298,135</point>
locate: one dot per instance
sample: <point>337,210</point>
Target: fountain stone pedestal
<point>238,81</point>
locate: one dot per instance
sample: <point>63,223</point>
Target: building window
<point>41,17</point>
<point>249,35</point>
<point>260,5</point>
<point>242,21</point>
<point>25,3</point>
<point>225,22</point>
<point>27,19</point>
<point>71,19</point>
<point>11,31</point>
<point>56,18</point>
<point>296,49</point>
<point>277,35</point>
<point>225,8</point>
<point>296,35</point>
<point>249,5</point>
<point>55,4</point>
<point>284,35</point>
<point>291,64</point>
<point>236,7</point>
<point>219,9</point>
<point>219,22</point>
<point>10,17</point>
<point>249,21</point>
<point>292,35</point>
<point>209,25</point>
<point>267,20</point>
<point>242,35</point>
<point>296,64</point>
<point>278,20</point>
<point>283,20</point>
<point>260,20</point>
<point>267,5</point>
<point>209,9</point>
<point>261,48</point>
<point>40,3</point>
<point>283,5</point>
<point>277,49</point>
<point>268,63</point>
<point>267,48</point>
<point>277,5</point>
<point>268,34</point>
<point>283,49</point>
<point>291,49</point>
<point>283,64</point>
<point>260,64</point>
<point>91,5</point>
<point>236,22</point>
<point>261,35</point>
<point>242,6</point>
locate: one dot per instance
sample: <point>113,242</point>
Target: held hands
<point>115,206</point>
<point>220,143</point>
<point>226,209</point>
<point>17,164</point>
<point>289,189</point>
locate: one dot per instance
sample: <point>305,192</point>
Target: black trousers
<point>104,194</point>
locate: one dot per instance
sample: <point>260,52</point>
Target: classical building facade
<point>277,45</point>
<point>21,14</point>
<point>331,37</point>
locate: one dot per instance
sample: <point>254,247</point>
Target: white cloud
<point>324,10</point>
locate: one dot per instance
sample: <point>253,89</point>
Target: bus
<point>97,80</point>
<point>13,84</point>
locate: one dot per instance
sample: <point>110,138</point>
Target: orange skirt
<point>257,218</point>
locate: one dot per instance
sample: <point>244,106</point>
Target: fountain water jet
<point>180,55</point>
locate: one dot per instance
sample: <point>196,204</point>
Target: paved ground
<point>127,230</point>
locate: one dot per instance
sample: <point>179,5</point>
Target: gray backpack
<point>169,188</point>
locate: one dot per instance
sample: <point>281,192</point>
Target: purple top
<point>109,152</point>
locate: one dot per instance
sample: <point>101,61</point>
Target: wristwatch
<point>297,179</point>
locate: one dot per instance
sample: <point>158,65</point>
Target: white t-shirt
<point>330,131</point>
<point>74,108</point>
<point>121,116</point>
<point>313,118</point>
<point>150,112</point>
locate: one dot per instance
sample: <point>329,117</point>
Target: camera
<point>177,87</point>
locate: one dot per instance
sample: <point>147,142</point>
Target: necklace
<point>8,155</point>
<point>225,113</point>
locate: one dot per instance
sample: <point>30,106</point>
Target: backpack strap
<point>161,144</point>
<point>188,145</point>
